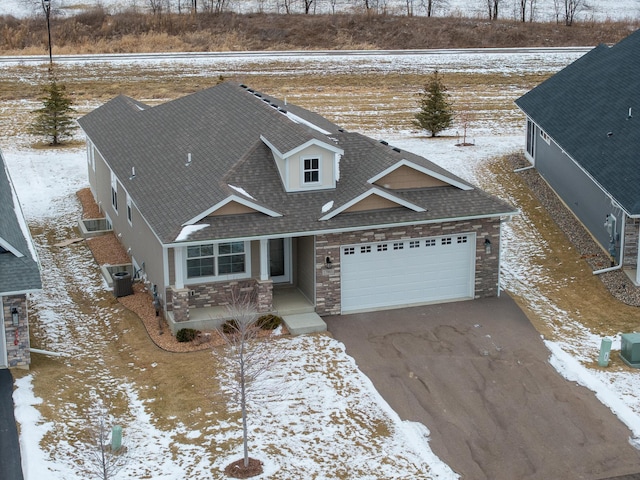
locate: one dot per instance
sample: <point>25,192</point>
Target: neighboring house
<point>583,137</point>
<point>229,187</point>
<point>19,276</point>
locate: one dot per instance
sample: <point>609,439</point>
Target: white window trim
<point>129,210</point>
<point>302,170</point>
<point>218,278</point>
<point>90,155</point>
<point>114,188</point>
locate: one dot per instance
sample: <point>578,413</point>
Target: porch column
<point>178,264</point>
<point>264,259</point>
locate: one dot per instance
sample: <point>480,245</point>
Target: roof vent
<point>188,160</point>
<point>629,116</point>
<point>242,85</point>
<point>609,134</point>
<point>274,105</point>
<point>250,90</point>
<point>384,143</point>
<point>266,100</point>
<point>259,95</point>
<point>282,110</point>
<point>395,149</point>
<point>133,173</point>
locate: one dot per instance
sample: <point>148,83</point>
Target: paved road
<point>10,462</point>
<point>476,373</point>
<point>114,57</point>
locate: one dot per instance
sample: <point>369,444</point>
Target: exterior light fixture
<point>327,263</point>
<point>15,317</point>
<point>487,246</point>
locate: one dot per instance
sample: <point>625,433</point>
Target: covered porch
<point>282,281</point>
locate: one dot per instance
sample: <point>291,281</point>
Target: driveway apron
<point>476,373</point>
<point>10,462</point>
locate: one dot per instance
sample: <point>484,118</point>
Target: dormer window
<point>311,170</point>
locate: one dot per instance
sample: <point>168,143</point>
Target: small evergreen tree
<point>54,121</point>
<point>435,112</point>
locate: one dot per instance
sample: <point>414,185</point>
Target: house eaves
<point>427,171</point>
<point>373,191</point>
<point>229,199</point>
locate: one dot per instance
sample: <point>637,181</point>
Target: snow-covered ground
<point>48,198</point>
<point>545,10</point>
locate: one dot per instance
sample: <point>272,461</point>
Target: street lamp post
<point>46,6</point>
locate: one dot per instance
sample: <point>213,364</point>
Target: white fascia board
<point>314,141</point>
<point>232,198</point>
<point>421,169</point>
<point>373,191</point>
<point>20,292</point>
<point>8,247</point>
<point>272,147</point>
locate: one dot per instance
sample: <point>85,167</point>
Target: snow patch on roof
<point>189,230</point>
<point>327,206</point>
<point>241,191</point>
<point>302,121</point>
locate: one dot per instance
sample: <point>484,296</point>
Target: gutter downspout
<point>523,169</point>
<point>46,352</point>
<point>619,266</point>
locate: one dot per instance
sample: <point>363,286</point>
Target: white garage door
<point>406,272</point>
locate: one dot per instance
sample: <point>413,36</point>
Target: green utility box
<point>630,349</point>
<point>605,350</point>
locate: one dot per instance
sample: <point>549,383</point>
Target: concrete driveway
<point>476,374</point>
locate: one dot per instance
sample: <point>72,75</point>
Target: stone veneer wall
<point>18,348</point>
<point>631,242</point>
<point>328,301</point>
<point>180,301</point>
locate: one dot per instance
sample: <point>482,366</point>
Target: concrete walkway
<point>10,461</point>
<point>476,373</point>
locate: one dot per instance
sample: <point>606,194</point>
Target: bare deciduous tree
<point>101,461</point>
<point>523,4</point>
<point>251,353</point>
<point>493,8</point>
<point>571,7</point>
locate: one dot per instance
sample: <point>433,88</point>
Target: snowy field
<point>48,198</point>
<point>545,10</point>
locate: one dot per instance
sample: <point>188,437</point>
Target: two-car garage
<point>406,272</point>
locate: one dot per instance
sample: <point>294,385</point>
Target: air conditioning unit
<point>630,349</point>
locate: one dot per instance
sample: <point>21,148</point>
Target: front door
<point>280,260</point>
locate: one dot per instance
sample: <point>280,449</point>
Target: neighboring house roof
<point>19,269</point>
<point>228,132</point>
<point>585,109</point>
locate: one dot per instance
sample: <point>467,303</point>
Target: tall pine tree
<point>436,113</point>
<point>54,120</point>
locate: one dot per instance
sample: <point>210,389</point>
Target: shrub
<point>269,322</point>
<point>230,327</point>
<point>187,334</point>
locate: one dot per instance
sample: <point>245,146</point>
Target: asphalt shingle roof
<point>221,128</point>
<point>584,108</point>
<point>17,273</point>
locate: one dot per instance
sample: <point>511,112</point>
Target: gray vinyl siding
<point>578,191</point>
<point>138,236</point>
